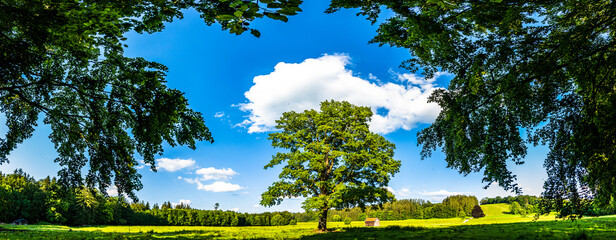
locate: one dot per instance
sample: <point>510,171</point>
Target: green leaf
<point>225,17</point>
<point>255,32</point>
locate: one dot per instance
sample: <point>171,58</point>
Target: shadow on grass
<point>595,228</point>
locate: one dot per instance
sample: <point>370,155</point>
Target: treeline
<point>525,205</point>
<point>452,206</point>
<point>45,200</point>
<point>521,199</point>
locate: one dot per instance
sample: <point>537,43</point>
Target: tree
<point>525,72</point>
<point>216,205</point>
<point>333,160</point>
<point>477,212</point>
<point>64,61</point>
<point>462,204</point>
<point>515,208</point>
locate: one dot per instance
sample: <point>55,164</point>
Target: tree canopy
<point>333,160</point>
<point>525,72</point>
<point>63,60</point>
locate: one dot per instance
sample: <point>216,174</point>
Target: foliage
<point>525,72</point>
<point>336,218</point>
<point>502,227</point>
<point>334,161</point>
<point>515,208</point>
<point>347,221</point>
<point>521,199</point>
<point>462,204</point>
<point>63,60</point>
<point>397,210</point>
<point>47,201</point>
<point>477,212</point>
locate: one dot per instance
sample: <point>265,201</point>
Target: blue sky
<point>241,84</point>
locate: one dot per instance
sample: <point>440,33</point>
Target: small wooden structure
<point>20,222</point>
<point>372,222</point>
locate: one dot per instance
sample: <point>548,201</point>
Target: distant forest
<point>46,200</point>
<point>22,197</point>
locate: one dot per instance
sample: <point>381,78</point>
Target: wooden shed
<point>372,222</point>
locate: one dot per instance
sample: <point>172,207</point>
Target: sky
<point>242,84</point>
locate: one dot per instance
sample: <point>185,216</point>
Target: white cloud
<point>216,174</point>
<point>219,114</point>
<point>302,86</point>
<point>184,201</point>
<point>112,191</point>
<point>402,193</point>
<point>141,164</point>
<point>235,209</point>
<point>442,193</point>
<point>219,186</point>
<point>173,165</point>
<point>256,206</point>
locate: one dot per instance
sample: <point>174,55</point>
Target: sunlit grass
<point>496,224</point>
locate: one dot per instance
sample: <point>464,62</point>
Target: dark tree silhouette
<point>477,212</point>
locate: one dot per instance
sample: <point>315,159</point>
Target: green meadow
<point>496,224</point>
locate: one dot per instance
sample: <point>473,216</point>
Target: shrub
<point>347,221</point>
<point>277,220</point>
<point>336,218</point>
<point>293,222</point>
<point>477,212</point>
<point>515,208</point>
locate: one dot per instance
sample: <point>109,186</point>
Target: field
<point>496,224</point>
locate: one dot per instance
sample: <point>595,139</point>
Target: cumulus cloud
<point>235,209</point>
<point>404,192</point>
<point>112,191</point>
<point>216,174</point>
<point>441,193</point>
<point>183,201</point>
<point>219,186</point>
<point>173,165</point>
<point>302,86</point>
<point>220,175</point>
<point>219,114</point>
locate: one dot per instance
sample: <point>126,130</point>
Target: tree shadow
<point>596,228</point>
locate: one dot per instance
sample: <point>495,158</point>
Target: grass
<point>496,224</point>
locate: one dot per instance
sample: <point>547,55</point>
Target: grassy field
<point>496,224</point>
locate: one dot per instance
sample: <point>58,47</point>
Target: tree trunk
<point>323,220</point>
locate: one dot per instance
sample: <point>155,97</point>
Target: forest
<point>47,201</point>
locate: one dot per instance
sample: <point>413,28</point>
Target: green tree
<point>515,208</point>
<point>525,72</point>
<point>477,212</point>
<point>63,60</point>
<point>333,160</point>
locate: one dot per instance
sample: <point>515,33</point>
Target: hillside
<point>495,210</point>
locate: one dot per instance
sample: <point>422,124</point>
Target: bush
<point>515,208</point>
<point>293,222</point>
<point>477,212</point>
<point>336,218</point>
<point>347,221</point>
<point>277,220</point>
